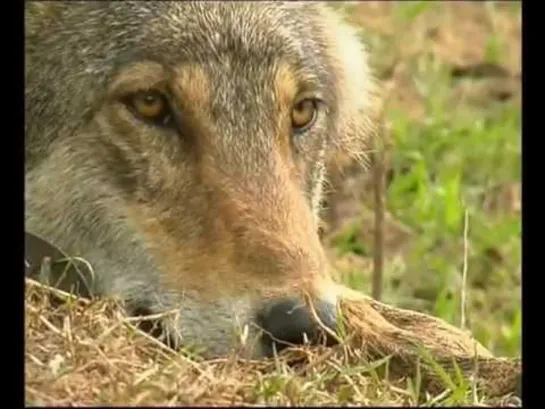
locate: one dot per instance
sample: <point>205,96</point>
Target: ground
<point>454,145</point>
<point>452,74</point>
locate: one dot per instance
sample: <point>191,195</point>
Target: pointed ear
<point>357,90</point>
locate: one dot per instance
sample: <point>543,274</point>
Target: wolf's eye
<point>303,114</point>
<point>151,106</point>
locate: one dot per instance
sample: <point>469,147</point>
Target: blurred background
<point>452,75</point>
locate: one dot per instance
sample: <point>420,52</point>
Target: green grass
<point>451,160</point>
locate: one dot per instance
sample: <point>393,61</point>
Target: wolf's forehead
<point>237,45</point>
<point>216,30</point>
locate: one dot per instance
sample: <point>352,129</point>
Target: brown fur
<point>219,212</point>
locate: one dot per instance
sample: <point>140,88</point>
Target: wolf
<point>180,148</point>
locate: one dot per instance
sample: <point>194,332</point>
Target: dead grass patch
<point>87,352</point>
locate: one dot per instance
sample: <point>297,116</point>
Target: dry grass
<point>88,352</point>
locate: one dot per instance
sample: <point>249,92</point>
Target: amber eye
<point>151,106</point>
<point>303,114</point>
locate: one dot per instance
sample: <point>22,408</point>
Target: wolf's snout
<point>289,321</point>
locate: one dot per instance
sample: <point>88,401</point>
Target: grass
<point>83,352</point>
<point>454,147</point>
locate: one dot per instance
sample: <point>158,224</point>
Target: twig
<point>377,156</point>
<point>464,271</point>
<point>378,253</point>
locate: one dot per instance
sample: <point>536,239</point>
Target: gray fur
<point>86,175</point>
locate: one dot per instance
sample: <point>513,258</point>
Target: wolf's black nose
<point>289,321</point>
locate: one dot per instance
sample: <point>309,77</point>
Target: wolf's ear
<point>358,93</point>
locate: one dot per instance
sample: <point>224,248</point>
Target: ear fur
<point>358,93</point>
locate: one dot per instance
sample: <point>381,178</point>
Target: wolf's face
<point>187,143</point>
